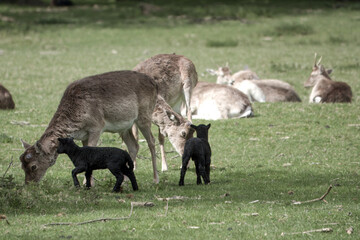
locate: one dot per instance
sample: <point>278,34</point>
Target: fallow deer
<point>176,77</point>
<point>265,90</point>
<point>108,102</point>
<point>171,125</point>
<point>6,101</point>
<point>325,90</point>
<point>213,101</point>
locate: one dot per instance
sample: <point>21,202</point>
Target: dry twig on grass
<point>322,230</point>
<point>11,162</point>
<point>133,204</point>
<point>316,199</point>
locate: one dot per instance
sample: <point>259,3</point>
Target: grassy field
<point>288,152</point>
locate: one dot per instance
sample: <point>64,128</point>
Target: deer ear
<point>208,126</point>
<point>329,71</point>
<point>25,144</point>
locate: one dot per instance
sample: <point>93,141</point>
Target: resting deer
<point>176,77</point>
<point>6,101</point>
<point>265,90</point>
<point>324,89</point>
<point>213,101</point>
<point>108,102</point>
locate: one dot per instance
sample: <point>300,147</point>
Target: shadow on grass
<point>159,13</point>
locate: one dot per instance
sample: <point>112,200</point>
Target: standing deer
<point>6,101</point>
<point>176,77</point>
<point>108,102</point>
<point>265,90</point>
<point>324,89</point>
<point>213,101</point>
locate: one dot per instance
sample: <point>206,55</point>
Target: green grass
<point>288,151</point>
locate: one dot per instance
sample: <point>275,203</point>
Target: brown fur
<point>6,101</point>
<point>272,89</point>
<point>109,102</point>
<point>175,75</point>
<point>325,90</point>
<point>277,91</point>
<point>172,125</point>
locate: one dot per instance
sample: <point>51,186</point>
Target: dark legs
<point>120,178</point>
<point>185,162</point>
<point>74,173</point>
<point>88,178</point>
<point>207,170</point>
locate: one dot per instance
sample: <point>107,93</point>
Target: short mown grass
<point>287,152</point>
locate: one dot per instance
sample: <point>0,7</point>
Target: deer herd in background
<point>161,90</point>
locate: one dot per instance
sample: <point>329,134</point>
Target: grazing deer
<point>213,101</point>
<point>324,89</point>
<point>171,125</point>
<point>176,77</point>
<point>265,90</point>
<point>6,101</point>
<point>108,102</point>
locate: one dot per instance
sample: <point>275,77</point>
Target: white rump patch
<point>317,99</point>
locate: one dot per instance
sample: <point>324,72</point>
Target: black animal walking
<point>199,150</point>
<point>87,159</point>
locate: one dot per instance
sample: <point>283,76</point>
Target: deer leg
<point>145,128</point>
<point>135,132</point>
<point>131,144</point>
<point>91,141</point>
<point>161,138</point>
<point>187,89</point>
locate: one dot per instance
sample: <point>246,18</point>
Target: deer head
<point>35,161</point>
<point>318,72</point>
<point>223,75</point>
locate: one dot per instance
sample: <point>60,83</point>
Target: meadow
<point>261,166</point>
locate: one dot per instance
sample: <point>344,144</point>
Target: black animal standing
<point>87,159</point>
<point>199,150</point>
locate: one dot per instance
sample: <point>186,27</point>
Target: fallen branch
<point>11,162</point>
<point>316,199</point>
<point>323,230</point>
<point>176,198</point>
<point>143,204</point>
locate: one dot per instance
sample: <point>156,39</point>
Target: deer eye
<point>28,156</point>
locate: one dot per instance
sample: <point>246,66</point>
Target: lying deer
<point>324,89</point>
<point>6,101</point>
<point>108,102</point>
<point>266,90</point>
<point>176,77</point>
<point>213,101</point>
